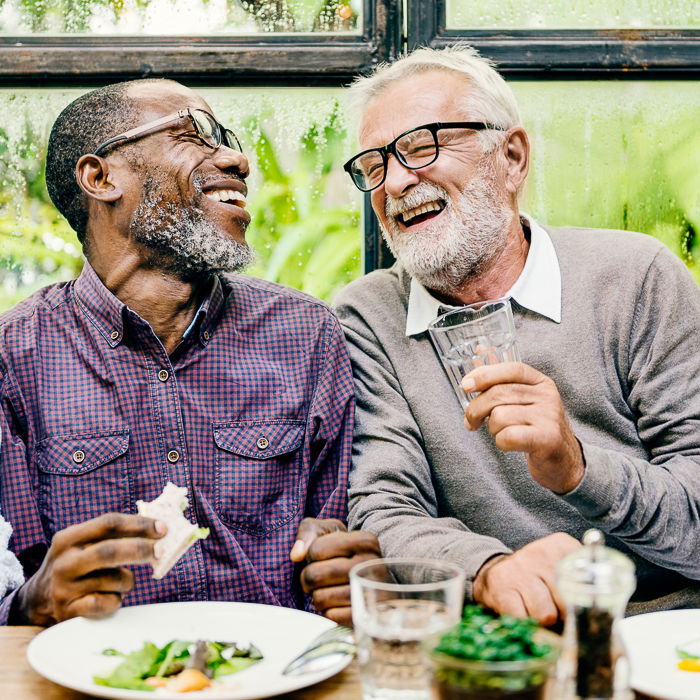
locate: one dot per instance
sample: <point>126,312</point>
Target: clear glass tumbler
<point>472,336</point>
<point>396,604</point>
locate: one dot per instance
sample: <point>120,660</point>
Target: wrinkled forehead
<point>433,96</point>
<point>158,99</point>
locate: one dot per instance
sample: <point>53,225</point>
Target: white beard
<point>470,233</point>
<point>182,240</point>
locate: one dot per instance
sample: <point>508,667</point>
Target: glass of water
<point>472,336</point>
<point>396,603</point>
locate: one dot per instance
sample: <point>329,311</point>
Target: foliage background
<point>620,155</point>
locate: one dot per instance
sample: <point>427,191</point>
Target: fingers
<point>330,572</point>
<point>108,526</point>
<point>95,605</point>
<point>309,530</point>
<point>331,597</point>
<point>484,377</point>
<point>78,562</point>
<point>343,544</point>
<point>342,616</point>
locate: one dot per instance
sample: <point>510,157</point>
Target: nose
<point>399,178</point>
<point>226,158</point>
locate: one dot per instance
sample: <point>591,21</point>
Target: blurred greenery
<point>618,155</point>
<point>188,16</point>
<point>572,14</point>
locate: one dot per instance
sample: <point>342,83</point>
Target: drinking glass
<point>396,603</point>
<point>472,336</point>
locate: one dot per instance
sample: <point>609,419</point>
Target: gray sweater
<point>625,359</point>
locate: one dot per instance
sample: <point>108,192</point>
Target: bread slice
<point>181,535</point>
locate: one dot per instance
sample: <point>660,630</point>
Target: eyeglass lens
<point>415,149</point>
<point>212,133</point>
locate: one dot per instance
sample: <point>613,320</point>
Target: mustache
<point>203,182</point>
<point>424,192</point>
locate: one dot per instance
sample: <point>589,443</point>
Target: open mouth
<point>421,213</point>
<point>227,197</point>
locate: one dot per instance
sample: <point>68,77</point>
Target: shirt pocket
<point>83,476</point>
<point>258,471</point>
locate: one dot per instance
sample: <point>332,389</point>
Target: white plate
<point>651,642</point>
<point>70,653</point>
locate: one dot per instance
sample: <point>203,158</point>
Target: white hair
<point>490,98</point>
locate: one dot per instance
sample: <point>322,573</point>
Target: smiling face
<point>448,221</point>
<point>187,200</point>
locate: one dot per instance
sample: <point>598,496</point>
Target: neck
<point>499,276</point>
<point>166,302</point>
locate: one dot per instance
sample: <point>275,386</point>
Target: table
<point>19,682</point>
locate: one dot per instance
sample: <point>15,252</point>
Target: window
<point>609,95</point>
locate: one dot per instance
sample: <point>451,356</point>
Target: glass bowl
<point>463,679</point>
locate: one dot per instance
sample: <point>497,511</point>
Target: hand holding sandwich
<point>84,571</point>
<point>330,551</point>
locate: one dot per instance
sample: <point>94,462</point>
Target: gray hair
<point>490,98</point>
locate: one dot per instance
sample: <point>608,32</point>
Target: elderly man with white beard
<point>598,426</point>
<point>158,366</point>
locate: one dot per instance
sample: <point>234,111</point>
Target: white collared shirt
<point>538,288</point>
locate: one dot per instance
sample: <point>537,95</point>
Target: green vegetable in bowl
<point>486,656</point>
<point>483,637</point>
<point>152,666</point>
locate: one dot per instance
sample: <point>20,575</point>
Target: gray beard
<point>181,240</point>
<point>471,233</point>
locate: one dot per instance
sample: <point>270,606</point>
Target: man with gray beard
<point>596,427</point>
<point>158,366</point>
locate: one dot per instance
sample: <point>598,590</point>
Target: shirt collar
<point>107,312</point>
<point>538,288</point>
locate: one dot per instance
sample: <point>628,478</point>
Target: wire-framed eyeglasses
<point>414,149</point>
<point>209,131</point>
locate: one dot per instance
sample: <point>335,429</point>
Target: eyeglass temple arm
<point>139,130</point>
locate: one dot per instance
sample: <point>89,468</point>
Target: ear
<point>95,179</point>
<point>516,149</point>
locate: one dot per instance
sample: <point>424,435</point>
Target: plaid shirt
<point>253,412</point>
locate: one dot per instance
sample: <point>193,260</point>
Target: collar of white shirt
<point>538,288</point>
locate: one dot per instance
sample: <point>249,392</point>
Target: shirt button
<point>262,443</point>
<point>173,456</point>
<point>114,335</point>
<point>78,456</point>
<point>163,375</point>
<point>206,335</point>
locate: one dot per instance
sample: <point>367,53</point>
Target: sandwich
<point>182,534</point>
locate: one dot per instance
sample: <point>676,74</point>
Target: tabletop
<point>19,682</point>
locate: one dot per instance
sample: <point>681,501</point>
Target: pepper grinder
<point>595,583</point>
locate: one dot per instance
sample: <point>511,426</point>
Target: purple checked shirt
<point>253,413</point>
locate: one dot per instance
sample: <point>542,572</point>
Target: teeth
<point>227,196</point>
<point>422,209</point>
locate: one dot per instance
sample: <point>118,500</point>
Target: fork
<point>323,652</point>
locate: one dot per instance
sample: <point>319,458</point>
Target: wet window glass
<point>305,211</point>
<point>605,154</point>
<point>178,17</point>
<point>617,155</point>
<point>572,14</point>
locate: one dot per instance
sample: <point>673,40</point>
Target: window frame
<point>256,59</point>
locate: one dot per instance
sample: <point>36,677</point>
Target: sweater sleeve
<point>391,490</point>
<point>654,505</point>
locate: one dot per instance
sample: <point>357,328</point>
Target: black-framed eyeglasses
<point>209,131</point>
<point>414,149</point>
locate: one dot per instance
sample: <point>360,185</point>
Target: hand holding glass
<point>472,336</point>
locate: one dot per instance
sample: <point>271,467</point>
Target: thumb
<point>311,529</point>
